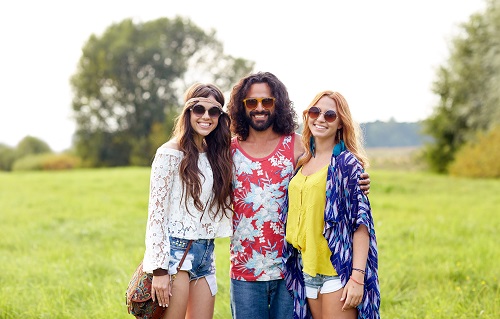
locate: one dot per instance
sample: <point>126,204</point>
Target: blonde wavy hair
<point>350,132</point>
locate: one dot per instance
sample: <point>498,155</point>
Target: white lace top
<point>167,214</point>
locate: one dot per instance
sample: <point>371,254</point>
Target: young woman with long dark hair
<point>190,198</point>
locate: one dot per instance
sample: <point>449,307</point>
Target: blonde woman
<point>330,254</point>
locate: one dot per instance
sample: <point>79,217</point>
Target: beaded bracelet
<point>360,270</point>
<point>359,283</point>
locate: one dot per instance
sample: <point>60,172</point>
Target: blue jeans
<point>260,300</point>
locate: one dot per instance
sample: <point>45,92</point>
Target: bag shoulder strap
<point>185,254</point>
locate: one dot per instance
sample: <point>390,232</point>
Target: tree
<point>7,157</point>
<point>132,76</point>
<point>31,145</point>
<point>468,88</point>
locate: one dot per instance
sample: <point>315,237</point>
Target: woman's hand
<point>352,294</point>
<point>161,290</point>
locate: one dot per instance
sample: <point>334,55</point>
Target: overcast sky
<point>381,55</point>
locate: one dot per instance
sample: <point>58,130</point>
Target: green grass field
<point>70,240</point>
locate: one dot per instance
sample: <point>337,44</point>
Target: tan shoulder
<point>298,148</point>
<point>298,145</point>
<point>172,144</point>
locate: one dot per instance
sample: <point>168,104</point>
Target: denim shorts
<point>199,261</point>
<point>322,284</point>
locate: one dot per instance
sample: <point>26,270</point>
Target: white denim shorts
<point>321,284</point>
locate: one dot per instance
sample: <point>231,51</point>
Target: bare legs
<point>190,300</point>
<point>329,306</point>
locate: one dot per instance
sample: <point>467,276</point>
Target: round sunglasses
<point>314,112</point>
<point>253,102</point>
<point>199,110</point>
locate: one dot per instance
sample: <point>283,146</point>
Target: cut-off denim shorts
<point>321,284</point>
<point>199,261</point>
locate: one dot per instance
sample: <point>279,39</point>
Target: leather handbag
<point>138,295</point>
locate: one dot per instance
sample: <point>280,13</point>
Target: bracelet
<point>359,283</point>
<point>160,272</point>
<point>360,270</point>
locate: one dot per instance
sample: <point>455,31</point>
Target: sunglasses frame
<point>214,116</point>
<point>326,115</point>
<point>261,101</point>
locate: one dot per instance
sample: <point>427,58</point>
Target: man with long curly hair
<point>265,150</point>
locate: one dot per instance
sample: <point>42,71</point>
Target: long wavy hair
<point>217,143</point>
<point>350,132</point>
<point>286,116</point>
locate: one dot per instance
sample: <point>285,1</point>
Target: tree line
<point>394,134</point>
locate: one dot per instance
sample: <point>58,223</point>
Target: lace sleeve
<point>163,170</point>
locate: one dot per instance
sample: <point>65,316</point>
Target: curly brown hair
<point>217,143</point>
<point>286,122</point>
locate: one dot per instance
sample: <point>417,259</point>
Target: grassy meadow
<point>70,240</point>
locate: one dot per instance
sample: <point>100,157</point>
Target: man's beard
<point>261,126</point>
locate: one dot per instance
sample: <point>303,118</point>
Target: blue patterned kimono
<point>346,209</point>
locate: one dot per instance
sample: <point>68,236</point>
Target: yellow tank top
<point>305,222</point>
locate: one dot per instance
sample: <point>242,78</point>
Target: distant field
<point>395,158</point>
<point>71,240</point>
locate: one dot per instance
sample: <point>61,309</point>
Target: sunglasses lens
<point>330,116</point>
<point>314,112</point>
<point>198,110</point>
<point>214,112</point>
<point>251,103</point>
<point>267,103</point>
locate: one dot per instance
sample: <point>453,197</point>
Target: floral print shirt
<point>259,188</point>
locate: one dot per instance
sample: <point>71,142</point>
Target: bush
<point>46,161</point>
<point>479,159</point>
<point>61,161</point>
